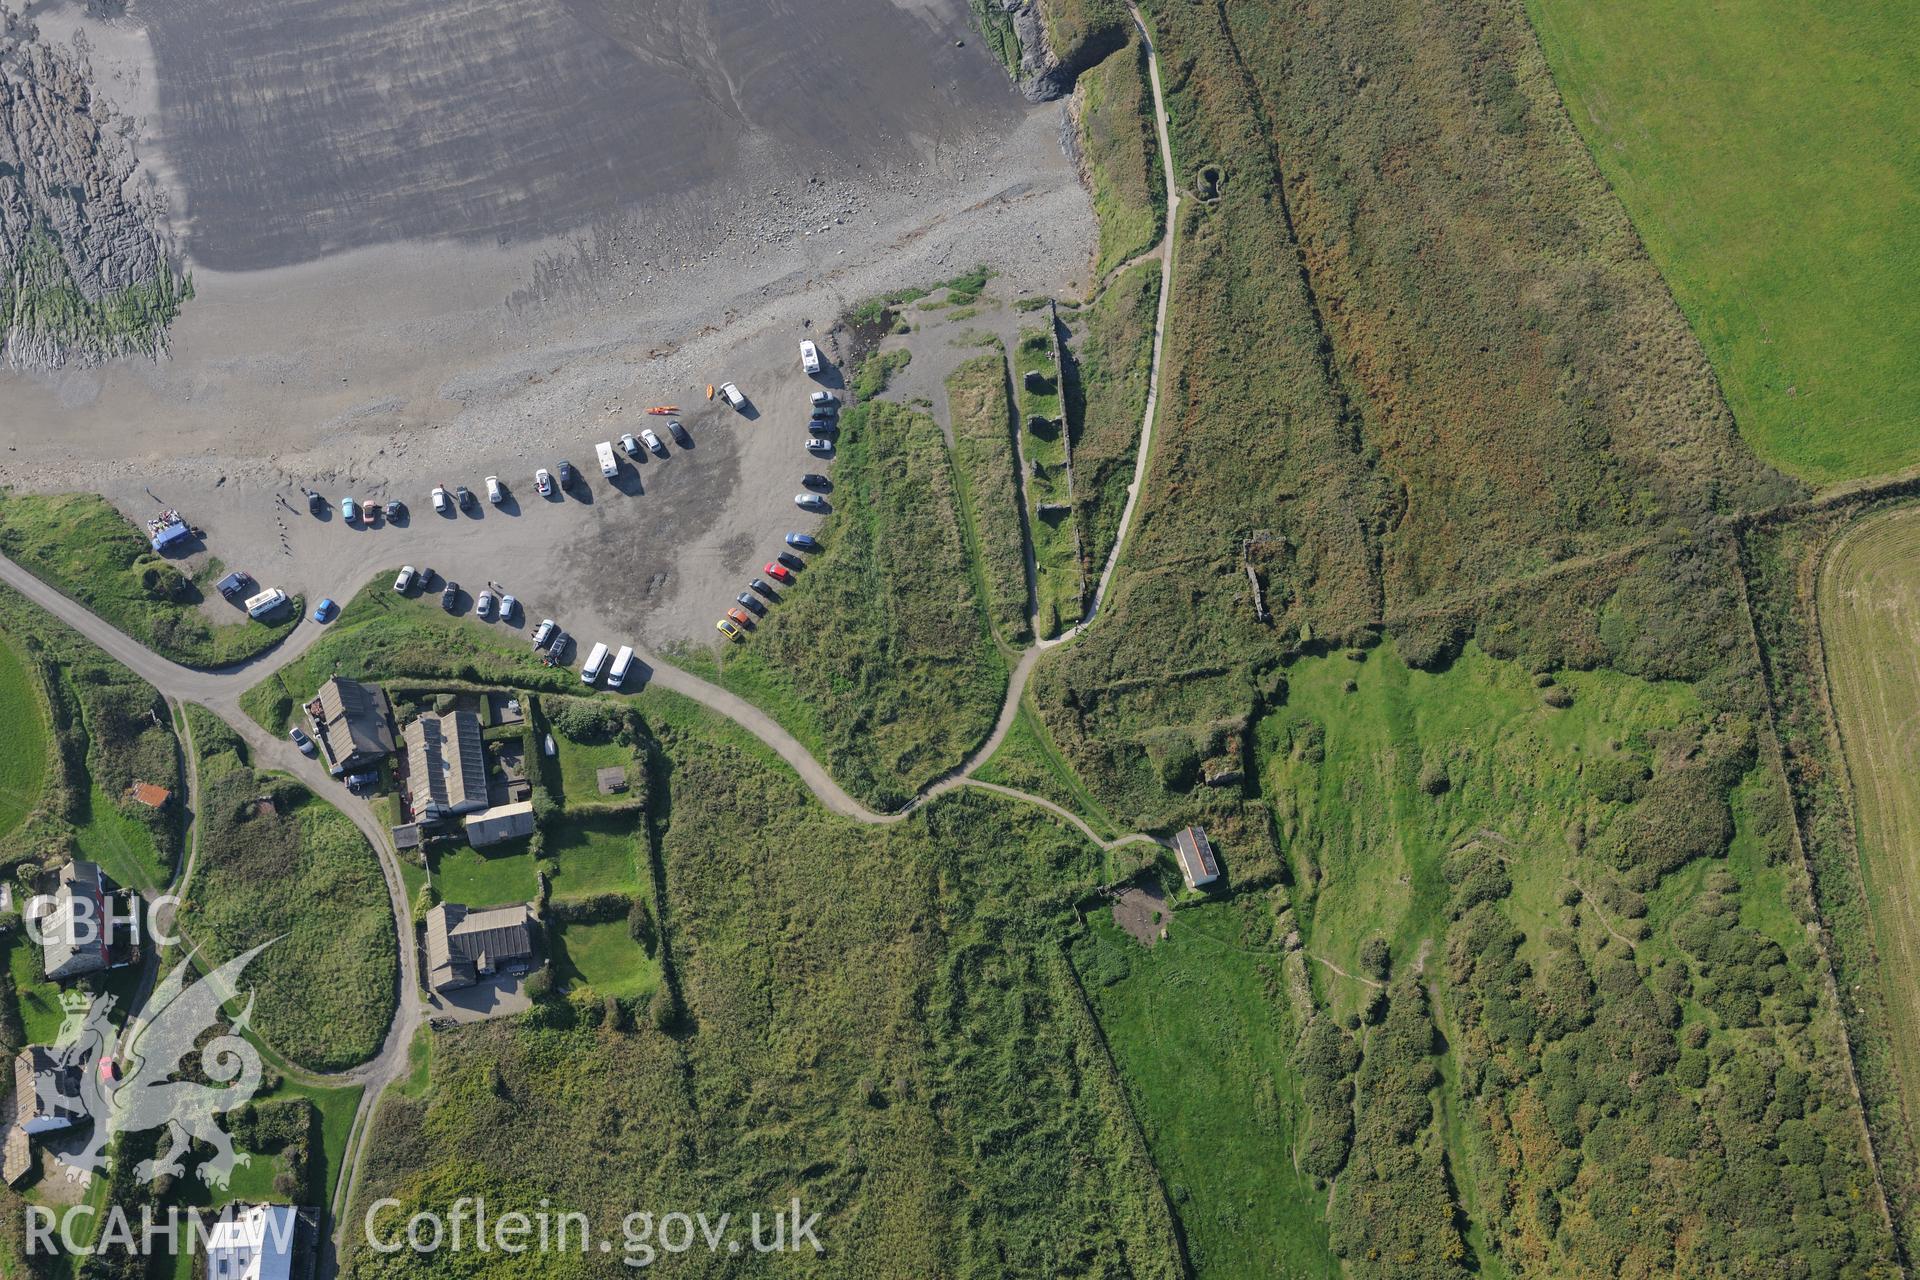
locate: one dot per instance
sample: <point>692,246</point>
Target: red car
<point>740,616</point>
<point>777,571</point>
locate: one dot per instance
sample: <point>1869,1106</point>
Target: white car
<point>508,606</point>
<point>809,357</point>
<point>483,607</point>
<point>495,494</point>
<point>653,441</point>
<point>439,499</point>
<point>732,393</point>
<point>809,502</point>
<point>631,445</point>
<point>543,481</point>
<point>821,398</point>
<point>402,583</point>
<point>816,445</point>
<point>543,633</point>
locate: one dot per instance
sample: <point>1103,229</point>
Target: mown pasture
<point>1869,606</point>
<point>1766,154</point>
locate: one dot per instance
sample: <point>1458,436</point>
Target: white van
<point>609,464</point>
<point>617,674</point>
<point>596,659</point>
<point>267,603</point>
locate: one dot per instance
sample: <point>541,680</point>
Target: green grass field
<point>1869,597</point>
<point>491,877</point>
<point>23,763</point>
<point>80,544</point>
<point>595,855</point>
<point>1766,152</point>
<point>604,957</point>
<point>1203,1046</point>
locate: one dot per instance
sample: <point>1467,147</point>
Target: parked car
<point>791,561</point>
<point>824,399</point>
<point>817,445</point>
<point>805,542</point>
<point>361,781</point>
<point>349,510</point>
<point>728,628</point>
<point>814,480</point>
<point>315,503</point>
<point>509,605</point>
<point>235,585</point>
<point>543,481</point>
<point>302,741</point>
<point>777,571</point>
<point>809,357</point>
<point>439,499</point>
<point>370,511</point>
<point>449,595</point>
<point>396,510</point>
<point>740,616</point>
<point>679,434</point>
<point>426,578</point>
<point>566,474</point>
<point>751,603</point>
<point>404,583</point>
<point>326,610</point>
<point>822,413</point>
<point>483,607</point>
<point>543,633</point>
<point>761,585</point>
<point>810,501</point>
<point>652,438</point>
<point>465,495</point>
<point>557,648</point>
<point>735,400</point>
<point>630,445</point>
<point>495,494</point>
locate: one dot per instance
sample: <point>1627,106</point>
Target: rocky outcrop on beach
<point>87,268</point>
<point>1059,39</point>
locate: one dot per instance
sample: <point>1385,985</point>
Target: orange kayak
<point>662,409</point>
<point>709,391</point>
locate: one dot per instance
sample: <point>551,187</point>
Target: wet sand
<point>486,341</point>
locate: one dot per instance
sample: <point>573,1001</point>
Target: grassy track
<point>1870,620</point>
<point>1765,151</point>
<point>23,762</point>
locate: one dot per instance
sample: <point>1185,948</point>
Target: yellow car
<point>728,628</point>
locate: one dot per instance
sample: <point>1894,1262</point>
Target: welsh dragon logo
<point>126,1082</point>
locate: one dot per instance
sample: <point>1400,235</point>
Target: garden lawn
<point>1766,152</point>
<point>491,877</point>
<point>595,855</point>
<point>604,957</point>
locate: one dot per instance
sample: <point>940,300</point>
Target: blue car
<point>326,610</point>
<point>802,541</point>
<point>348,511</point>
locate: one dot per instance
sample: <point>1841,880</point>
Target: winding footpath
<point>219,692</point>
